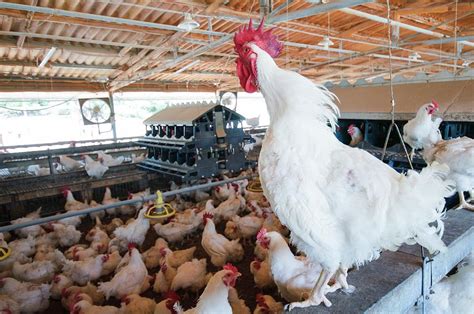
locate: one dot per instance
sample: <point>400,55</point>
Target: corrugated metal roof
<point>180,114</point>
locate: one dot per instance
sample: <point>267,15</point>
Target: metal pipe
<point>384,20</point>
<point>142,199</point>
<point>96,17</point>
<point>317,9</point>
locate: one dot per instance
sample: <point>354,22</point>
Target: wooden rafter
<point>128,76</point>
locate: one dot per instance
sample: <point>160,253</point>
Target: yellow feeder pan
<point>5,253</point>
<point>255,186</point>
<point>160,209</point>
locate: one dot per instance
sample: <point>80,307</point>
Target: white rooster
<point>341,204</point>
<point>458,154</point>
<point>422,130</point>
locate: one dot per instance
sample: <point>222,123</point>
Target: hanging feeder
<point>255,186</point>
<point>160,209</point>
<point>5,253</point>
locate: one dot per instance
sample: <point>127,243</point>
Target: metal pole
<point>118,204</point>
<point>112,115</point>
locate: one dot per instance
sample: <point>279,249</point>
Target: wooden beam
<point>436,9</point>
<point>83,49</point>
<point>25,25</point>
<point>149,73</point>
<point>215,4</point>
<point>57,65</point>
<point>357,28</point>
<point>128,74</point>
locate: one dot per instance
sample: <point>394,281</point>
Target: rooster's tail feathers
<point>426,191</point>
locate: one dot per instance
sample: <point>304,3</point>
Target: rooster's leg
<point>341,278</point>
<point>318,294</point>
<point>463,203</point>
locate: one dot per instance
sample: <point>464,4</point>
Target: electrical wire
<point>39,109</point>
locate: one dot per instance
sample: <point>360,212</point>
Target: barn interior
<point>135,112</point>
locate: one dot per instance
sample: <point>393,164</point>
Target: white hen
<point>128,280</point>
<point>294,277</point>
<point>458,154</point>
<point>214,298</point>
<point>94,169</point>
<point>31,297</point>
<point>422,130</point>
<point>219,248</point>
<point>135,231</point>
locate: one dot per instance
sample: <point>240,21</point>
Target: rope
<point>392,98</point>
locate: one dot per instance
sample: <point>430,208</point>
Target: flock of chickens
<point>94,168</point>
<point>108,264</point>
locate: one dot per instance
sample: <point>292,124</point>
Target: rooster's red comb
<point>230,267</point>
<point>261,234</point>
<point>264,39</point>
<point>131,246</point>
<point>435,103</point>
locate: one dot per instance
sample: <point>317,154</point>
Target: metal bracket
<point>426,281</point>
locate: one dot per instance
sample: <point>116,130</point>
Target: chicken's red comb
<point>264,39</point>
<point>351,126</point>
<point>131,246</point>
<point>259,298</point>
<point>230,267</point>
<point>261,234</point>
<point>130,196</point>
<point>162,251</point>
<point>64,190</point>
<point>435,103</point>
<point>207,215</point>
<point>172,295</point>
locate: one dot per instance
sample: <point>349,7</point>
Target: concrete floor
<point>392,284</point>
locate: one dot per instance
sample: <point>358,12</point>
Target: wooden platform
<point>392,284</point>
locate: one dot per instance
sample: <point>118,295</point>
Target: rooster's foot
<point>316,300</point>
<point>350,289</point>
<point>466,205</point>
<point>463,203</point>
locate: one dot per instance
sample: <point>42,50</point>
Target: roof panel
<point>179,114</point>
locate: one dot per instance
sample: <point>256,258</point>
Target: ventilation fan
<point>229,100</point>
<point>95,110</point>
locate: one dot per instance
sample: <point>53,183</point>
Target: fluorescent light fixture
<point>188,24</point>
<point>414,56</point>
<point>326,42</point>
<point>48,56</point>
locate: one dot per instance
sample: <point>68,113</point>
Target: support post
<point>112,115</point>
